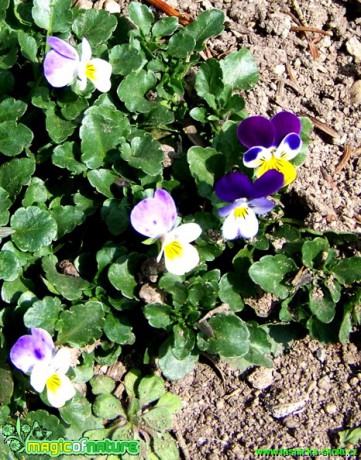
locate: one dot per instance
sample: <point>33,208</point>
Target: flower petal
<point>232,186</point>
<point>241,222</point>
<point>63,48</point>
<point>283,166</point>
<point>61,361</point>
<point>255,156</point>
<point>39,375</point>
<point>180,257</point>
<point>186,233</point>
<point>59,390</point>
<point>86,51</point>
<point>285,123</point>
<point>289,147</point>
<point>155,216</point>
<point>256,131</point>
<point>267,184</point>
<point>32,349</point>
<point>261,205</point>
<point>99,71</point>
<point>59,70</point>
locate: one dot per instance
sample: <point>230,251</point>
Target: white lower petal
<point>255,156</point>
<point>99,71</point>
<point>185,233</point>
<point>180,257</point>
<point>241,222</point>
<point>58,395</point>
<point>39,375</point>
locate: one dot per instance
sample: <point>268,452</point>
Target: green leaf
<point>28,46</point>
<point>158,316</point>
<point>14,138</point>
<point>150,388</point>
<point>6,82</point>
<point>35,193</point>
<point>126,59</point>
<point>58,128</point>
<point>206,166</point>
<point>131,382</point>
<point>270,272</point>
<point>9,266</point>
<point>208,24</point>
<point>164,447</point>
<point>239,70</point>
<point>170,401</point>
<point>321,305</point>
<point>260,346</point>
<point>122,274</point>
<point>183,341</point>
<point>70,287</point>
<point>229,291</point>
<point>5,204</point>
<point>65,156</point>
<point>6,386</point>
<point>230,336</point>
<point>118,329</point>
<point>349,437</point>
<point>173,368</point>
<point>102,384</point>
<point>133,153</point>
<point>134,87</point>
<point>67,218</point>
<point>165,27</point>
<point>102,180</point>
<point>108,407</point>
<point>43,313</point>
<point>16,173</point>
<point>100,132</point>
<point>348,271</point>
<point>209,82</point>
<point>52,15</point>
<point>116,215</point>
<point>11,109</point>
<point>346,324</point>
<point>81,325</point>
<point>158,418</point>
<point>96,25</point>
<point>312,251</point>
<point>34,228</point>
<point>181,44</point>
<point>77,415</point>
<point>141,17</point>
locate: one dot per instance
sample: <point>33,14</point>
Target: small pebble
<point>331,408</point>
<point>324,383</point>
<point>261,378</point>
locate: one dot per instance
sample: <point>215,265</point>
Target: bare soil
<point>314,390</point>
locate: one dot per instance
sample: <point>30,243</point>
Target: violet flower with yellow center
<point>62,65</point>
<point>156,218</point>
<point>247,201</point>
<point>35,354</point>
<point>271,143</point>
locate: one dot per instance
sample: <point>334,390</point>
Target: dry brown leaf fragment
<point>184,18</point>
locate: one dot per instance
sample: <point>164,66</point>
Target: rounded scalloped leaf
<point>34,228</point>
<point>9,266</point>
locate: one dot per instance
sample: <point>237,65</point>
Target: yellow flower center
<point>240,212</point>
<point>173,250</point>
<point>53,383</point>
<point>90,71</point>
<point>281,165</point>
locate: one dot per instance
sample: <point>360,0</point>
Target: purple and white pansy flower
<point>62,65</point>
<point>156,218</point>
<point>247,201</point>
<point>35,354</point>
<point>271,143</point>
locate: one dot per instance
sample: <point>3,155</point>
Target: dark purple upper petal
<point>285,123</point>
<point>267,184</point>
<point>232,186</point>
<point>256,131</point>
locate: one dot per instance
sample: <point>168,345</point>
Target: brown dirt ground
<point>227,413</point>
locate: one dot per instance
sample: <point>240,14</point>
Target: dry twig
<point>322,126</point>
<point>184,18</point>
<point>347,152</point>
